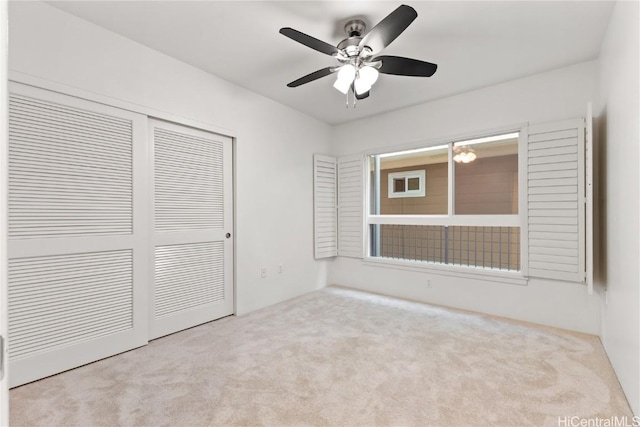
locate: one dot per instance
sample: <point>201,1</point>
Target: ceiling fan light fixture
<point>346,75</point>
<point>464,157</point>
<point>358,54</point>
<point>464,154</point>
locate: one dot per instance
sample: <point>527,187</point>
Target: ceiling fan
<point>359,68</point>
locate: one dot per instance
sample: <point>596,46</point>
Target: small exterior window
<point>407,184</point>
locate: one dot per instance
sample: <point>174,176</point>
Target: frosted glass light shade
<point>361,86</point>
<point>368,74</point>
<point>345,77</point>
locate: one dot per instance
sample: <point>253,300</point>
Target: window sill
<point>490,275</point>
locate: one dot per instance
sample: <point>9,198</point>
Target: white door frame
<point>4,383</point>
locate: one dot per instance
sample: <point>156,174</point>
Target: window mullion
<point>450,179</point>
<point>445,220</point>
<point>376,206</point>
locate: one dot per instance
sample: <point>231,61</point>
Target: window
<point>453,204</point>
<point>508,206</point>
<point>406,184</point>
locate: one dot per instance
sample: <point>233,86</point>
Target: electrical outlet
<point>428,283</point>
<point>263,272</point>
<point>280,269</point>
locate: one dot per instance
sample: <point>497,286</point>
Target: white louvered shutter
<point>193,258</point>
<point>556,201</point>
<point>590,212</point>
<point>351,206</point>
<point>325,183</point>
<point>78,255</point>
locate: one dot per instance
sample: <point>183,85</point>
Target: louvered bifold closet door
<point>325,215</point>
<point>351,206</point>
<point>78,254</point>
<point>192,226</point>
<point>556,200</point>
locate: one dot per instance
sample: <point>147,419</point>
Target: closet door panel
<point>193,257</point>
<point>78,254</point>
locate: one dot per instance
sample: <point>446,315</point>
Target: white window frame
<point>517,220</point>
<point>420,192</point>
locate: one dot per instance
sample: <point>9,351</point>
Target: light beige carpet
<point>338,357</point>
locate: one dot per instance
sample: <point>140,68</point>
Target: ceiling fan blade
<point>309,41</point>
<point>389,28</point>
<point>401,66</point>
<point>313,76</point>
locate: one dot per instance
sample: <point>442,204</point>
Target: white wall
<point>619,124</point>
<point>274,143</point>
<point>555,95</point>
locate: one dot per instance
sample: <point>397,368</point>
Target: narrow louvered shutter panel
<point>78,254</point>
<point>590,212</point>
<point>325,180</point>
<point>351,206</point>
<point>193,258</point>
<point>556,210</point>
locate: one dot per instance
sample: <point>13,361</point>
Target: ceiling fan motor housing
<point>354,29</point>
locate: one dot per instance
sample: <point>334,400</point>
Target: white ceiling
<point>475,44</point>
